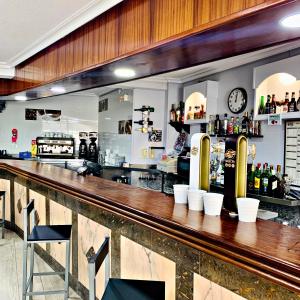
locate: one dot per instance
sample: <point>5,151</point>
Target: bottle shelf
<point>180,126</point>
<point>233,135</point>
<point>284,116</point>
<point>196,121</point>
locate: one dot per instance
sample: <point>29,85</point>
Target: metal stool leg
<point>67,270</point>
<point>3,216</point>
<point>24,288</point>
<point>31,269</point>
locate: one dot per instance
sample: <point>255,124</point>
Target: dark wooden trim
<point>253,258</point>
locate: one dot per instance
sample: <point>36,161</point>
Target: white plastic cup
<point>195,199</point>
<point>180,193</point>
<point>247,209</point>
<point>213,203</point>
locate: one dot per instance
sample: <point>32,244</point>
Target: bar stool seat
<point>121,289</point>
<point>50,233</point>
<point>124,289</point>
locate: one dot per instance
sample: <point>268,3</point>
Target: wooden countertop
<point>266,248</point>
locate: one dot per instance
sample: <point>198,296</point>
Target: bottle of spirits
<point>257,175</point>
<point>273,183</point>
<point>230,126</point>
<point>245,123</point>
<point>251,125</point>
<point>259,133</point>
<point>292,106</point>
<point>211,126</point>
<point>236,126</point>
<point>217,125</point>
<point>177,114</point>
<point>298,103</point>
<point>250,181</point>
<point>273,105</point>
<point>197,113</point>
<point>268,105</point>
<point>264,180</point>
<point>225,124</point>
<point>285,106</point>
<point>181,106</point>
<point>261,109</point>
<point>190,114</point>
<point>173,114</point>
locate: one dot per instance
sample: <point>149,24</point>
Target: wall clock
<point>237,100</point>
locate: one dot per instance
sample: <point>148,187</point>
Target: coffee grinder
<point>83,148</point>
<point>93,151</point>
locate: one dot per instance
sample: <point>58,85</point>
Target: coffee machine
<point>93,151</point>
<point>83,148</point>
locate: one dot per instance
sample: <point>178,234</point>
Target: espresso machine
<point>83,148</point>
<point>93,151</point>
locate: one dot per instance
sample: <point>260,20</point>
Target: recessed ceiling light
<point>292,21</point>
<point>58,89</point>
<point>20,98</point>
<point>124,72</point>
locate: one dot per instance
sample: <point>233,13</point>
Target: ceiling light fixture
<point>58,89</point>
<point>292,21</point>
<point>124,73</point>
<point>20,98</point>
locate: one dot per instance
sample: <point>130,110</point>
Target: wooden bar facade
<point>129,28</point>
<point>266,249</point>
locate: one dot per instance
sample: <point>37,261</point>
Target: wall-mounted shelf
<point>284,116</point>
<point>202,95</point>
<point>196,121</point>
<point>232,135</point>
<point>180,126</point>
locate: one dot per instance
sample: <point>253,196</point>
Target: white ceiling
<point>28,26</point>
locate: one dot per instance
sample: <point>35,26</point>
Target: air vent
<point>2,105</point>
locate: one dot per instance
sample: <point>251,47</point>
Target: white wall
<point>270,148</point>
<point>156,99</point>
<point>79,113</point>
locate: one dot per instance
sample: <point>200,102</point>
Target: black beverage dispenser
<point>83,148</point>
<point>93,151</point>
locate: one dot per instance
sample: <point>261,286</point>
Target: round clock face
<point>237,100</point>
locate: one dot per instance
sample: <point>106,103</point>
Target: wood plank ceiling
<point>131,27</point>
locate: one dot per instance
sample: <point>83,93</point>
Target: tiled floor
<point>11,272</point>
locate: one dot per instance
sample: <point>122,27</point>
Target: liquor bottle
<point>278,106</point>
<point>273,183</point>
<point>202,112</point>
<point>225,124</point>
<point>173,114</point>
<point>250,181</point>
<point>257,175</point>
<point>264,180</point>
<point>145,108</point>
<point>236,126</point>
<point>197,113</point>
<point>211,126</point>
<point>177,114</point>
<point>217,125</point>
<point>218,175</point>
<point>280,183</point>
<point>259,133</point>
<point>292,106</point>
<point>298,103</point>
<point>230,126</point>
<point>251,125</point>
<point>181,106</point>
<point>273,105</point>
<point>268,105</point>
<point>190,114</point>
<point>261,109</point>
<point>285,106</point>
<point>245,123</point>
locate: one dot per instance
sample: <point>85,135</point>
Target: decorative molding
<point>79,18</point>
<point>6,71</point>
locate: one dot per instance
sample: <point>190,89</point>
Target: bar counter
<point>253,260</point>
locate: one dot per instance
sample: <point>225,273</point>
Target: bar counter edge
<point>216,242</point>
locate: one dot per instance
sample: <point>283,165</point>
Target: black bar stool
<point>121,289</point>
<point>2,222</point>
<point>43,234</point>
